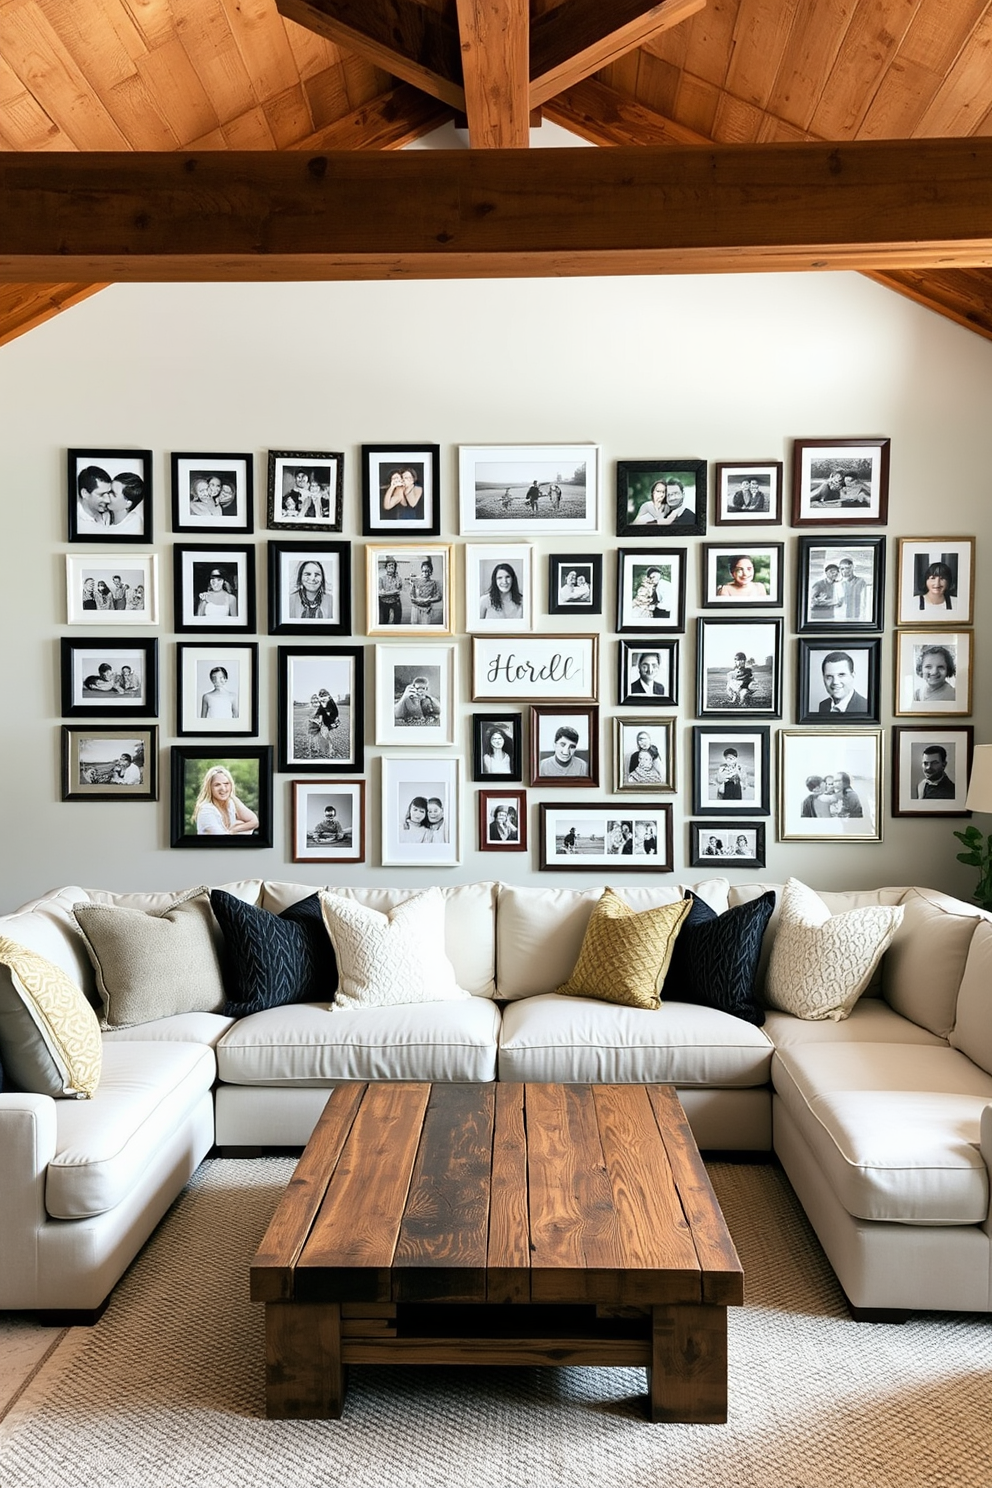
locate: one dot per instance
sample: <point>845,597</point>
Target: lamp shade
<point>980,783</point>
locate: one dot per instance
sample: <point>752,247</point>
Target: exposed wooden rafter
<point>495,61</point>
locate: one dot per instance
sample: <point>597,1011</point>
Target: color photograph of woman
<point>219,810</point>
<point>221,800</point>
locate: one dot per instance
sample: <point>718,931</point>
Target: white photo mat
<point>136,571</point>
<point>413,833</point>
<point>415,694</point>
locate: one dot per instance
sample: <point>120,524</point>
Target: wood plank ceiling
<point>323,75</point>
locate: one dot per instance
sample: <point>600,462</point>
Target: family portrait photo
<point>214,587</point>
<point>933,673</point>
<point>743,843</point>
<point>497,746</point>
<point>212,493</point>
<point>321,709</point>
<point>650,589</point>
<point>936,579</point>
<point>738,667</point>
<point>841,583</point>
<point>409,589</point>
<point>108,764</point>
<point>840,480</point>
<point>304,490</point>
<point>643,755</point>
<point>839,681</point>
<point>830,785</point>
<point>221,800</point>
<point>730,770</point>
<point>217,688</point>
<point>564,746</point>
<point>629,839</point>
<point>124,592</point>
<point>534,487</point>
<point>414,694</point>
<point>502,821</point>
<point>109,496</point>
<point>655,495</point>
<point>116,680</point>
<point>400,489</point>
<point>735,576</point>
<point>310,589</point>
<point>748,492</point>
<point>328,821</point>
<point>498,587</point>
<point>648,672</point>
<point>575,583</point>
<point>419,811</point>
<point>930,770</point>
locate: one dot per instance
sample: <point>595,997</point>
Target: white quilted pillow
<point>385,959</point>
<point>821,963</point>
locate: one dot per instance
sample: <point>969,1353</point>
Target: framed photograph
<point>551,668</point>
<point>217,688</point>
<point>830,786</point>
<point>401,490</point>
<point>648,672</point>
<point>419,806</point>
<point>730,771</point>
<point>661,495</point>
<point>328,821</point>
<point>305,492</point>
<point>415,694</point>
<point>839,681</point>
<point>930,770</point>
<point>564,746</point>
<point>537,487</point>
<point>109,764</point>
<point>841,583</point>
<point>650,589</point>
<point>936,581</point>
<point>212,493</point>
<point>310,589</point>
<point>497,746</point>
<point>214,587</point>
<point>221,797</point>
<point>643,755</point>
<point>840,480</point>
<point>499,587</point>
<point>933,673</point>
<point>711,845</point>
<point>109,496</point>
<point>748,491</point>
<point>119,680</point>
<point>575,584</point>
<point>502,821</point>
<point>625,839</point>
<point>752,579</point>
<point>739,667</point>
<point>322,709</point>
<point>409,589</point>
<point>124,592</point>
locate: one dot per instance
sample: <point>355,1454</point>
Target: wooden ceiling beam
<point>24,306</point>
<point>578,37</point>
<point>962,295</point>
<point>495,63</point>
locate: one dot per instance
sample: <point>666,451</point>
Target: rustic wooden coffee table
<point>499,1224</point>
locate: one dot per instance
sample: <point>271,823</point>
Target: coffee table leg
<point>687,1380</point>
<point>304,1375</point>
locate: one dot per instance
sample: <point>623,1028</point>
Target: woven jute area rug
<point>167,1388</point>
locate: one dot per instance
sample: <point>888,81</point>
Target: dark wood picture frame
<point>724,831</point>
<point>515,802</point>
<point>814,656</point>
<point>830,482</point>
<point>283,466</point>
<point>609,817</point>
<point>342,790</point>
<point>637,480</point>
<point>767,561</point>
<point>101,773</point>
<point>911,743</point>
<point>758,741</point>
<point>548,719</point>
<point>333,558</point>
<point>210,756</point>
<point>509,724</point>
<point>844,597</point>
<point>122,481</point>
<point>767,475</point>
<point>117,700</point>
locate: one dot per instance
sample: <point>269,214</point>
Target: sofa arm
<point>986,1137</point>
<point>27,1146</point>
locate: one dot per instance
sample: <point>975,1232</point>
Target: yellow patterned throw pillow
<point>625,955</point>
<point>49,1033</point>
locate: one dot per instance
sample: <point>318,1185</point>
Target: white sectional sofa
<point>883,1122</point>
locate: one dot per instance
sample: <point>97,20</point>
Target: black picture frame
<point>580,744</point>
<point>511,725</point>
<point>92,768</point>
<point>840,480</point>
<point>639,515</point>
<point>194,565</point>
<point>840,583</point>
<point>660,689</point>
<point>581,595</point>
<point>109,496</point>
<point>125,671</point>
<point>820,660</point>
<point>196,661</point>
<point>710,749</point>
<point>191,764</point>
<point>702,834</point>
<point>911,743</point>
<point>379,461</point>
<point>314,739</point>
<point>332,596</point>
<point>759,505</point>
<point>737,676</point>
<point>213,508</point>
<point>720,567</point>
<point>651,589</point>
<point>319,493</point>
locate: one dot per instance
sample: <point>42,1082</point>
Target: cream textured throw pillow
<point>50,1034</point>
<point>385,959</point>
<point>821,963</point>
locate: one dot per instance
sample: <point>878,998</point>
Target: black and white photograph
<point>575,584</point>
<point>420,811</point>
<point>533,488</point>
<point>648,672</point>
<point>310,589</point>
<point>933,673</point>
<point>840,480</point>
<point>624,838</point>
<point>221,796</point>
<point>651,589</point>
<point>401,490</point>
<point>214,588</point>
<point>739,667</point>
<point>730,770</point>
<point>217,688</point>
<point>750,577</point>
<point>109,764</point>
<point>502,821</point>
<point>841,583</point>
<point>930,770</point>
<point>839,681</point>
<point>109,496</point>
<point>643,755</point>
<point>748,492</point>
<point>665,495</point>
<point>409,589</point>
<point>305,490</point>
<point>414,694</point>
<point>564,746</point>
<point>497,746</point>
<point>535,668</point>
<point>322,709</point>
<point>830,786</point>
<point>499,587</point>
<point>117,679</point>
<point>121,592</point>
<point>328,821</point>
<point>936,581</point>
<point>726,844</point>
<point>212,493</point>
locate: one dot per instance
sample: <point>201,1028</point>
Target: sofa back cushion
<point>972,1031</point>
<point>47,925</point>
<point>923,967</point>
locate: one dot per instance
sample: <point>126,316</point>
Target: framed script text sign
<point>559,668</point>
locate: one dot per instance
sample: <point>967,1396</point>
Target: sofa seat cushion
<point>571,1039</point>
<point>180,1028</point>
<point>895,1128</point>
<point>872,1021</point>
<point>103,1146</point>
<point>307,1044</point>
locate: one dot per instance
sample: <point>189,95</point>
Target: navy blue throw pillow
<point>715,959</point>
<point>271,959</point>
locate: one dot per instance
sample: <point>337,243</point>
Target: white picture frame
<point>409,787</point>
<point>415,694</point>
<point>499,587</point>
<point>138,575</point>
<point>496,485</point>
<point>545,668</point>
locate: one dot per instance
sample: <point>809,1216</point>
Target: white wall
<point>717,368</point>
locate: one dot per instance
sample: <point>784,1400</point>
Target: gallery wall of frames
<point>578,709</point>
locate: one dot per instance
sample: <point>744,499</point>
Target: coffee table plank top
<point>573,1222</point>
<point>509,1222</point>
